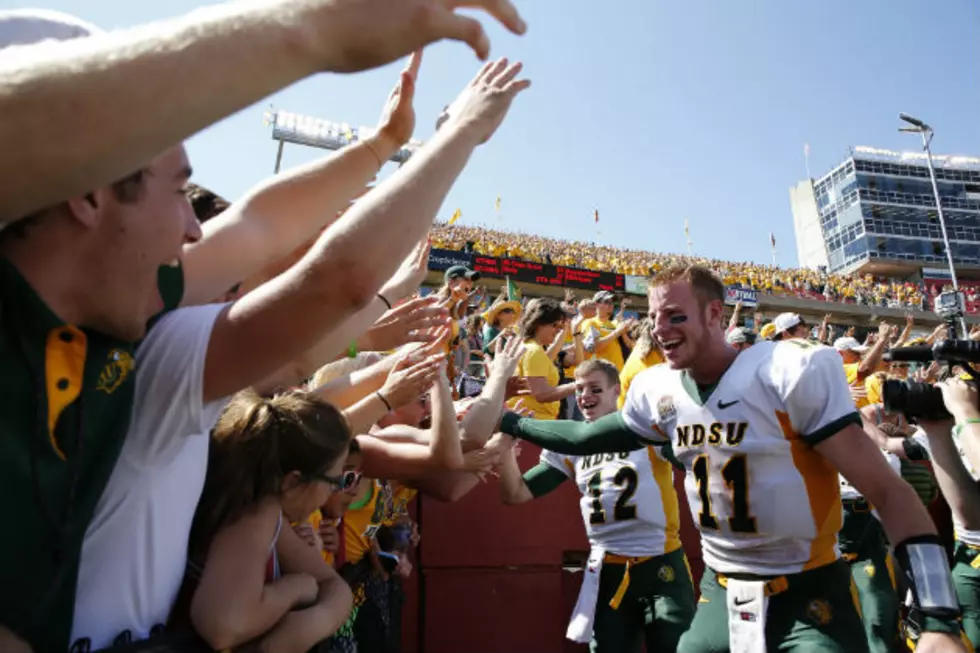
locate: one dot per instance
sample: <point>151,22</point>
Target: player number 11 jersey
<point>765,501</point>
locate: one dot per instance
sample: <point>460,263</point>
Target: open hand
<point>355,35</point>
<point>506,357</point>
<point>412,321</point>
<point>408,381</point>
<point>397,121</point>
<point>482,105</point>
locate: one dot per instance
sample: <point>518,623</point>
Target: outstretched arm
<point>55,143</point>
<point>343,271</point>
<point>286,210</point>
<point>606,434</point>
<point>538,481</point>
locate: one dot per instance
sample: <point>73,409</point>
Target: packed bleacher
<point>216,415</point>
<point>864,290</point>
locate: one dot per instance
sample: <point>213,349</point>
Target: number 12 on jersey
<point>626,479</point>
<point>735,474</point>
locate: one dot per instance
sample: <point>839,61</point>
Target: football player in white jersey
<point>763,434</point>
<point>637,585</point>
<point>959,482</point>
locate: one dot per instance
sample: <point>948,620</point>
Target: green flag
<point>513,292</point>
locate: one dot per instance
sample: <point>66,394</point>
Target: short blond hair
<point>601,366</point>
<point>705,283</point>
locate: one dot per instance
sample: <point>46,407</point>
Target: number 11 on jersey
<point>735,474</point>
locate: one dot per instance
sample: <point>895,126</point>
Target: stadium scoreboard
<point>546,274</point>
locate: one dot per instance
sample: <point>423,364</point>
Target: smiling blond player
<point>763,435</point>
<point>637,586</point>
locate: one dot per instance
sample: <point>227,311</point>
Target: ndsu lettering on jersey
<point>696,435</point>
<point>588,462</point>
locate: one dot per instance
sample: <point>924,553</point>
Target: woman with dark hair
<point>542,321</point>
<point>250,577</point>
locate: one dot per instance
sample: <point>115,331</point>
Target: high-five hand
<point>397,121</point>
<point>354,35</point>
<point>482,105</point>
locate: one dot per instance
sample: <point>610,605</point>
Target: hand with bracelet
<point>408,381</point>
<point>408,277</point>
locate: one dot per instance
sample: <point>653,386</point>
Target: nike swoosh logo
<point>742,601</point>
<point>723,405</point>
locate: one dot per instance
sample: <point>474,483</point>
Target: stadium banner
<point>936,273</point>
<point>734,295</point>
<point>545,274</point>
<point>636,285</point>
<point>443,259</point>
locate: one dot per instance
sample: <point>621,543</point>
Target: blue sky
<point>653,113</point>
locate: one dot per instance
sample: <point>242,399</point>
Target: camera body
<point>950,306</point>
<point>916,400</point>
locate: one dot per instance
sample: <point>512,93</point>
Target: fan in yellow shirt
<point>541,323</point>
<point>646,354</point>
<point>605,331</point>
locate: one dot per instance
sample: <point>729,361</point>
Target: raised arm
<point>405,383</point>
<point>736,314</point>
<point>336,342</point>
<point>55,141</point>
<point>957,485</point>
<point>482,417</point>
<point>351,261</point>
<point>286,210</point>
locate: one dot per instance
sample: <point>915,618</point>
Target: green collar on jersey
<point>698,393</point>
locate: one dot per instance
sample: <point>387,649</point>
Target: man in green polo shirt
<point>66,391</point>
<point>94,260</point>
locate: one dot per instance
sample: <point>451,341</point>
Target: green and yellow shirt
<point>66,395</point>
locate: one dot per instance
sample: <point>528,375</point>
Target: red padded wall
<point>490,578</point>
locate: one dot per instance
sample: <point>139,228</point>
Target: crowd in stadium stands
<point>808,284</point>
<point>216,414</point>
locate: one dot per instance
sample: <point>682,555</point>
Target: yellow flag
<point>456,216</point>
<point>687,229</point>
<point>496,205</point>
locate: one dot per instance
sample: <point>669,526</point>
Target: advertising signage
<point>545,274</point>
<point>748,297</point>
<point>443,259</point>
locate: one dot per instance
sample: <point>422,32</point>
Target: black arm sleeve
<point>607,434</point>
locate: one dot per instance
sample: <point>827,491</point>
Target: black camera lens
<point>914,400</point>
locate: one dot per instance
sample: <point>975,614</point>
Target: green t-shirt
<point>66,396</point>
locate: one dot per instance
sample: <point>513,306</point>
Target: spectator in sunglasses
<point>272,460</point>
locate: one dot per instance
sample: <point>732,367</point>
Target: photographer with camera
<point>953,445</point>
<point>948,413</point>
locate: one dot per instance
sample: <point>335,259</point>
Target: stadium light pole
<point>926,132</point>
